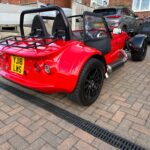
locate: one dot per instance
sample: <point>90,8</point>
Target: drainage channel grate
<point>83,124</point>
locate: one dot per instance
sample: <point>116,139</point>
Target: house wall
<point>61,3</point>
<point>128,3</point>
<point>67,3</point>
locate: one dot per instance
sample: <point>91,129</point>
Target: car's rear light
<point>6,67</point>
<point>114,17</point>
<point>47,69</point>
<point>37,67</point>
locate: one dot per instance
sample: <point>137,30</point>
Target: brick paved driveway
<point>123,108</point>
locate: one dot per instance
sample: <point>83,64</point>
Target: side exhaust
<point>114,66</point>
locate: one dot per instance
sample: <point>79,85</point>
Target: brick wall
<point>61,3</point>
<point>128,3</point>
<point>143,14</point>
<point>67,3</point>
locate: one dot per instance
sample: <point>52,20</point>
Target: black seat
<point>59,27</point>
<point>38,28</point>
<point>60,30</point>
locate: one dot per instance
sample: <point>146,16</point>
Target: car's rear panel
<point>26,66</point>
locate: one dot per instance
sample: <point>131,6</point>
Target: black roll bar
<point>45,9</point>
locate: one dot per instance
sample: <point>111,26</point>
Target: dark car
<point>147,19</point>
<point>145,29</point>
<point>121,17</point>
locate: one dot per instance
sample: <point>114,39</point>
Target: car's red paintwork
<point>65,58</point>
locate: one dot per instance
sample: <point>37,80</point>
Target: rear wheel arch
<point>78,95</point>
<point>102,59</point>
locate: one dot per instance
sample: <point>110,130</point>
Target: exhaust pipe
<point>115,66</point>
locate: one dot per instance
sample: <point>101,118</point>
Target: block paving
<point>122,108</point>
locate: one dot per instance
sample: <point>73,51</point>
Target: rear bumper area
<point>42,87</point>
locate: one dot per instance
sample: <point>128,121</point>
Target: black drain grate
<point>83,124</point>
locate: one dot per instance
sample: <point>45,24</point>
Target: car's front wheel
<point>140,54</point>
<point>89,83</point>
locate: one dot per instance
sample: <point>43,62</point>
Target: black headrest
<point>38,27</point>
<point>58,24</point>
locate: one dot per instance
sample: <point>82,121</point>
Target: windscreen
<point>94,27</point>
<point>106,12</point>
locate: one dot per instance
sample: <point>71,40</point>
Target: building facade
<point>141,7</point>
<point>61,3</point>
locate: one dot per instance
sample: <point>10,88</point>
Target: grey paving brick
<point>35,135</point>
<point>148,123</point>
<point>38,124</point>
<point>67,126</point>
<point>3,115</point>
<point>1,124</point>
<point>8,101</point>
<point>5,146</point>
<point>68,143</point>
<point>25,121</point>
<point>47,147</point>
<point>36,145</point>
<point>52,127</point>
<point>5,137</point>
<point>6,108</point>
<point>12,118</point>
<point>105,125</point>
<point>82,145</point>
<point>63,134</point>
<point>18,142</point>
<point>123,129</point>
<point>52,139</point>
<point>22,130</point>
<point>144,141</point>
<point>28,113</point>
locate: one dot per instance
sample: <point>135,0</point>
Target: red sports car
<point>74,62</point>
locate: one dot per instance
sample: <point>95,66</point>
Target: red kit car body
<point>49,64</point>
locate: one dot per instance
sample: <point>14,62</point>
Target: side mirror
<point>117,31</point>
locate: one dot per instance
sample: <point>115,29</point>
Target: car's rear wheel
<point>140,54</point>
<point>89,83</point>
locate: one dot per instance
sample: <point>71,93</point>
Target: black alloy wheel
<point>89,83</point>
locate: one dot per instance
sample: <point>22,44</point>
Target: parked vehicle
<point>121,17</point>
<point>145,29</point>
<point>147,19</point>
<point>13,13</point>
<point>74,62</point>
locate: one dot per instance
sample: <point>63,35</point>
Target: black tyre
<point>139,55</point>
<point>89,83</point>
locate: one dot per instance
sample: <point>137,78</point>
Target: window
<point>106,12</point>
<point>141,5</point>
<point>99,3</point>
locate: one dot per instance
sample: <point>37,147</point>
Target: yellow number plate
<point>17,64</point>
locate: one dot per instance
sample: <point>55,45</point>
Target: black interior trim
<point>103,45</point>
